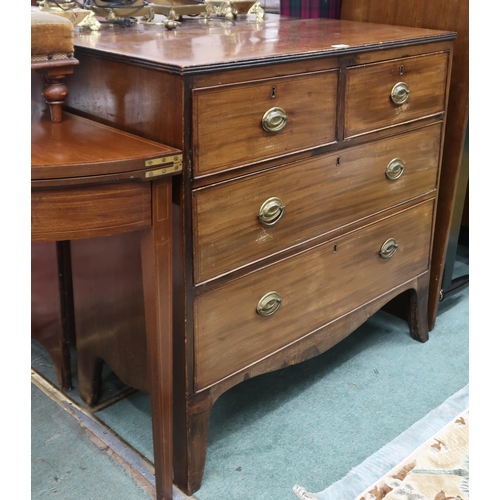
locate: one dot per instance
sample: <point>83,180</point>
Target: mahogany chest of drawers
<point>312,153</point>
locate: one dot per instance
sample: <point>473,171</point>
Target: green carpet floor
<point>308,424</point>
<point>66,464</point>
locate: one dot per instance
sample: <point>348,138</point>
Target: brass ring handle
<point>400,93</point>
<point>268,304</point>
<point>274,119</point>
<point>389,248</point>
<point>271,211</point>
<point>395,169</point>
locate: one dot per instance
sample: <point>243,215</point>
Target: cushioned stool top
<point>50,34</point>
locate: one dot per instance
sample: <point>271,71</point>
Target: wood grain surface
<point>228,128</point>
<point>368,90</point>
<point>320,195</point>
<point>316,287</point>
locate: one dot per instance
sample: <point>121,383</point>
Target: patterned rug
<point>437,469</point>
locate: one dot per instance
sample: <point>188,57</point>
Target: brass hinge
<point>174,163</point>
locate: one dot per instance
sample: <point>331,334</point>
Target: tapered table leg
<point>156,256</point>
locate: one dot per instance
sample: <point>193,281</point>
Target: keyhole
<point>401,69</point>
<point>273,92</point>
<point>335,248</point>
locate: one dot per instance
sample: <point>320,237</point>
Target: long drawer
<point>385,94</point>
<point>318,195</point>
<point>305,292</point>
<point>243,123</point>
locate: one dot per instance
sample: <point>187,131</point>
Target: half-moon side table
<point>89,180</point>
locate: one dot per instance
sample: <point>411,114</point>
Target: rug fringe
<point>302,494</point>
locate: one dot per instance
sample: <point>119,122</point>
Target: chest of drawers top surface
<point>197,45</point>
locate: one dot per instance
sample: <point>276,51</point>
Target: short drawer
<point>319,195</point>
<point>305,292</point>
<point>244,123</point>
<point>385,94</point>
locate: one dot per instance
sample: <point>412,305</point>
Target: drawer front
<point>299,112</point>
<point>390,93</point>
<point>318,194</point>
<point>315,287</point>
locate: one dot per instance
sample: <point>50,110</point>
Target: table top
<point>201,45</point>
<point>81,148</point>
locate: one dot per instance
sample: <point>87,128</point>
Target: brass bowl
<point>242,6</point>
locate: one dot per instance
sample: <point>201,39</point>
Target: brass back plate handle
<point>271,211</point>
<point>395,169</point>
<point>389,248</point>
<point>274,119</point>
<point>268,304</point>
<point>400,93</point>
